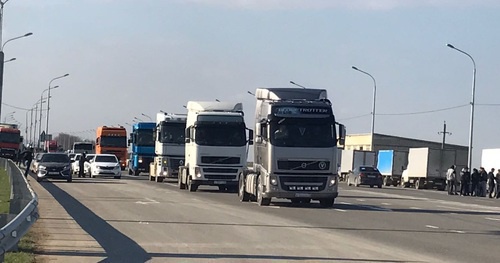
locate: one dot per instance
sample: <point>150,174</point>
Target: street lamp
<point>135,118</point>
<point>217,100</point>
<point>374,102</point>
<point>48,101</point>
<point>297,84</point>
<point>471,127</point>
<point>147,116</point>
<point>251,93</point>
<point>41,102</point>
<point>9,60</point>
<point>2,55</point>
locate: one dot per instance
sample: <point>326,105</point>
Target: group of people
<point>478,183</point>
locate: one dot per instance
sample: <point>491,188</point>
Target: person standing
<point>497,181</point>
<point>450,180</point>
<point>491,183</point>
<point>482,182</point>
<point>464,181</point>
<point>28,157</point>
<point>475,179</point>
<point>81,164</point>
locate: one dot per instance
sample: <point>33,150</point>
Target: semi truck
<point>355,158</point>
<point>169,142</point>
<point>10,140</point>
<point>112,140</point>
<point>295,148</point>
<point>81,147</point>
<point>490,158</point>
<point>142,145</point>
<point>51,146</point>
<point>391,165</point>
<point>427,167</point>
<point>216,145</point>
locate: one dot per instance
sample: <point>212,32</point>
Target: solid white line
<point>385,204</point>
<point>345,203</point>
<point>340,210</point>
<point>361,200</point>
<point>491,218</point>
<point>416,208</point>
<point>458,231</point>
<point>430,226</point>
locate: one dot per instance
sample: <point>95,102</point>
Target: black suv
<point>55,166</point>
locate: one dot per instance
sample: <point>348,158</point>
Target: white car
<point>75,165</point>
<point>105,165</point>
<point>86,165</point>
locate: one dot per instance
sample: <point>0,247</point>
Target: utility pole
<point>444,133</point>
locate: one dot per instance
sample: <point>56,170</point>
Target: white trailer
<point>427,167</point>
<point>391,165</point>
<point>490,158</point>
<point>216,145</point>
<point>355,158</point>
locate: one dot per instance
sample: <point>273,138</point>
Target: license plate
<point>53,173</point>
<point>302,195</point>
<point>219,182</point>
<point>371,176</point>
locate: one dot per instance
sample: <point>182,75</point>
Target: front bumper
<point>105,172</point>
<point>65,174</point>
<point>303,186</point>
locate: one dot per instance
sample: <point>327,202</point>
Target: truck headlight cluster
<point>332,182</point>
<point>197,172</point>
<point>140,160</point>
<point>274,180</point>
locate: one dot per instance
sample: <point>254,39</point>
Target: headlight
<point>197,172</point>
<point>274,180</point>
<point>41,167</point>
<point>140,160</point>
<point>67,167</point>
<point>165,161</point>
<point>332,181</point>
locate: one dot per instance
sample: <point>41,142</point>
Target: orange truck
<point>112,140</point>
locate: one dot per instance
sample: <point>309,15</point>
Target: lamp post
<point>48,101</point>
<point>41,110</point>
<point>2,55</point>
<point>137,119</point>
<point>33,132</point>
<point>251,93</point>
<point>374,103</point>
<point>471,126</point>
<point>147,116</point>
<point>9,60</point>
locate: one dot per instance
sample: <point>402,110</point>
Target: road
<point>135,220</point>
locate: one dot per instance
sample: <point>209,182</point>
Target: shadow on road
<point>118,247</point>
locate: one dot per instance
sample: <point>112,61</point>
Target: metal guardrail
<point>23,204</point>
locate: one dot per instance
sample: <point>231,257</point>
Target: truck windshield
<point>221,135</point>
<point>172,133</point>
<point>113,141</point>
<point>298,132</point>
<point>10,137</point>
<point>83,146</point>
<point>144,138</point>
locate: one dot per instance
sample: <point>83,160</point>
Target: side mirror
<point>250,137</point>
<point>341,135</point>
<point>129,142</point>
<point>187,135</point>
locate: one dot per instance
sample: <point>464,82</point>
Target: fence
<point>23,209</point>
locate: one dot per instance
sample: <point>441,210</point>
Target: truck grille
<point>220,177</point>
<point>174,163</point>
<point>304,165</point>
<point>220,160</point>
<point>220,170</point>
<point>303,183</point>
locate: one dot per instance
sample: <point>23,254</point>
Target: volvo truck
<point>143,147</point>
<point>295,148</point>
<point>169,149</point>
<point>216,145</point>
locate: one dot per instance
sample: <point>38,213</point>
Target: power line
<point>424,112</point>
<point>15,107</point>
<point>355,117</point>
<point>488,104</point>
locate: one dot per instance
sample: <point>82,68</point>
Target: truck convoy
<point>355,158</point>
<point>10,140</point>
<point>142,143</point>
<point>112,140</point>
<point>295,151</point>
<point>169,148</point>
<point>80,147</point>
<point>391,165</point>
<point>216,145</point>
<point>427,167</point>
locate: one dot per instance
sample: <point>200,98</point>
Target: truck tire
<point>418,184</point>
<point>151,178</point>
<point>190,186</point>
<point>327,202</point>
<point>386,181</point>
<point>129,171</point>
<point>181,185</point>
<point>136,173</point>
<point>356,182</point>
<point>242,194</point>
<point>261,200</point>
<point>159,179</point>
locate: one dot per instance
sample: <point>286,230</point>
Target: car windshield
<point>89,157</point>
<point>106,159</point>
<point>298,132</point>
<point>113,141</point>
<point>171,132</point>
<point>55,158</point>
<point>144,138</point>
<point>221,135</point>
<point>10,137</point>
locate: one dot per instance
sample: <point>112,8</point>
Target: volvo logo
<point>322,165</point>
<point>303,165</point>
<point>181,162</point>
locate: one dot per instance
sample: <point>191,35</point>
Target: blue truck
<point>143,147</point>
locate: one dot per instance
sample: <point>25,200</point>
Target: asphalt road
<point>135,220</point>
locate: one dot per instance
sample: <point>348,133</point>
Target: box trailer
<point>490,158</point>
<point>391,165</point>
<point>355,158</point>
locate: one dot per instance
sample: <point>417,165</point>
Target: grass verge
<point>4,192</point>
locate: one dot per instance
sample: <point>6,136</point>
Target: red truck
<point>51,146</point>
<point>10,140</point>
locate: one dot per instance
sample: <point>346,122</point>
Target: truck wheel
<point>159,179</point>
<point>379,186</point>
<point>328,202</point>
<point>386,181</point>
<point>129,171</point>
<point>69,180</point>
<point>179,182</point>
<point>418,184</point>
<point>39,179</point>
<point>242,194</point>
<point>136,173</point>
<point>191,187</point>
<point>261,200</point>
<point>151,178</point>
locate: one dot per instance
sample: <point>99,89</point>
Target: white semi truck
<point>216,145</point>
<point>295,148</point>
<point>169,146</point>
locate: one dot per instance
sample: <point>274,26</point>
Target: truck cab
<point>143,146</point>
<point>112,140</point>
<point>295,151</point>
<point>216,145</point>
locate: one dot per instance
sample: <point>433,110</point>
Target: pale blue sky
<point>131,57</point>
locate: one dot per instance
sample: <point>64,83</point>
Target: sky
<point>128,58</point>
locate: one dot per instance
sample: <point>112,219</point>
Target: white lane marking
<point>143,223</point>
<point>458,231</point>
<point>273,206</point>
<point>340,210</point>
<point>416,208</point>
<point>345,203</point>
<point>361,200</point>
<point>385,204</point>
<point>491,218</point>
<point>149,201</point>
<point>431,226</point>
<point>468,210</point>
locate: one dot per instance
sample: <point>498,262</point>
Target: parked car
<point>55,166</point>
<point>35,161</point>
<point>365,175</point>
<point>86,165</point>
<point>75,164</point>
<point>105,165</point>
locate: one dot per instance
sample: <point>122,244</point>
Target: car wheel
<point>69,180</point>
<point>39,179</point>
<point>371,186</point>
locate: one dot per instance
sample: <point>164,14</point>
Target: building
<point>389,142</point>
